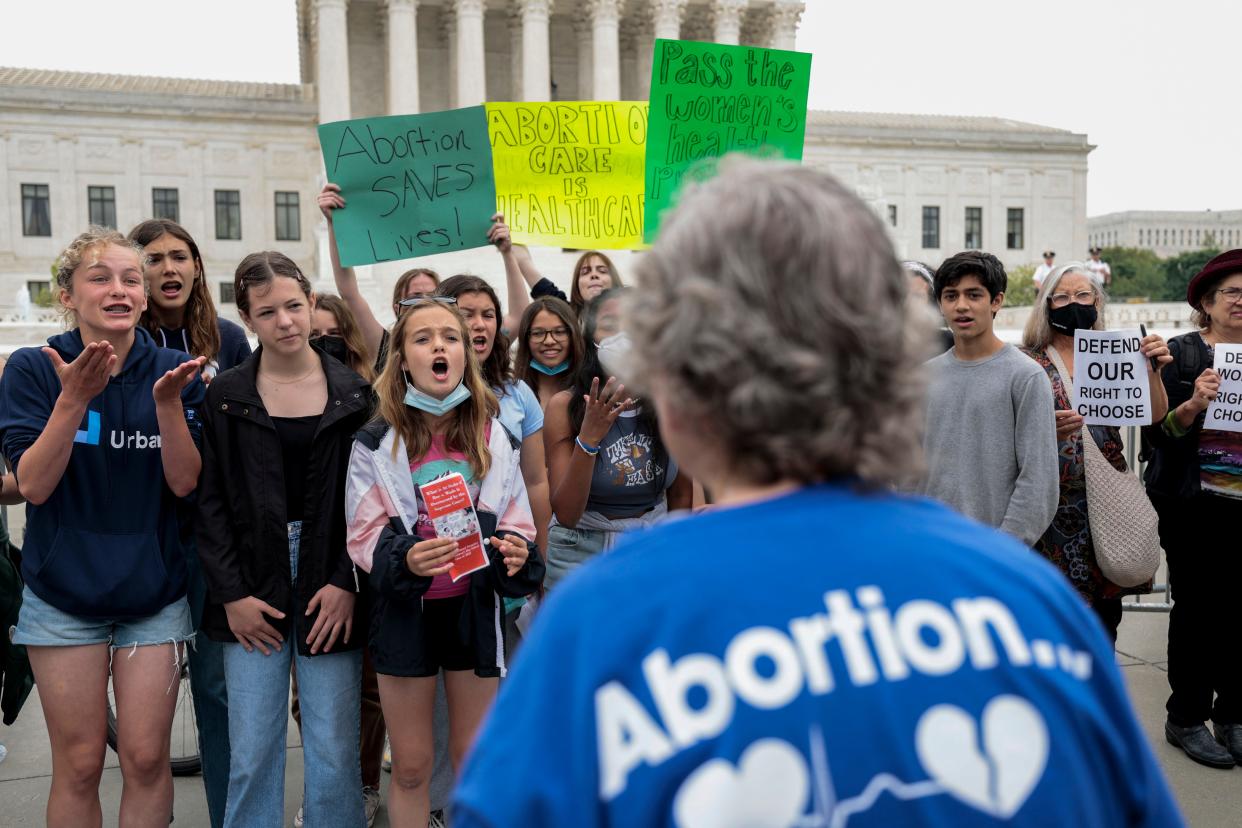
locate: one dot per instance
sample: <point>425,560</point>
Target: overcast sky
<point>1155,84</point>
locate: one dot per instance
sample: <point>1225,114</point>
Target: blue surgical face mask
<point>551,372</point>
<point>436,408</point>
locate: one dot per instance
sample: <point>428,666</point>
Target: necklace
<point>272,379</point>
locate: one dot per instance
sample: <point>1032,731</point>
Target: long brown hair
<point>468,431</point>
<point>350,332</point>
<point>202,324</point>
<point>575,293</point>
<point>562,311</point>
<point>497,369</point>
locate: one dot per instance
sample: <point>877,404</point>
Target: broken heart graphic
<point>767,789</point>
<point>999,779</point>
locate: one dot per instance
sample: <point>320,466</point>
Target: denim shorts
<point>39,624</point>
<point>570,548</point>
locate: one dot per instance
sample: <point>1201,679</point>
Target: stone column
<point>727,21</point>
<point>448,36</point>
<point>536,57</point>
<point>586,70</point>
<point>402,56</point>
<point>660,18</point>
<point>605,41</point>
<point>332,60</point>
<point>784,31</point>
<point>471,71</point>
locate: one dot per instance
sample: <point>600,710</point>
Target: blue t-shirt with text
<point>827,658</point>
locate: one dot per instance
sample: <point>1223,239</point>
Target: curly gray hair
<point>773,308</point>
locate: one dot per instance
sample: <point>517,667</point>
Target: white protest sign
<point>1110,378</point>
<point>1225,412</point>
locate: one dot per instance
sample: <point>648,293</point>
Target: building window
<point>165,204</point>
<point>288,225</point>
<point>1013,230</point>
<point>40,292</point>
<point>227,296</point>
<point>228,214</point>
<point>36,210</point>
<point>974,228</point>
<point>101,206</point>
<point>892,214</point>
<point>931,228</point>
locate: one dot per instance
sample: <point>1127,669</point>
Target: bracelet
<point>1171,426</point>
<point>587,448</point>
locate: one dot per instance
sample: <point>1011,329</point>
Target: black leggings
<point>1200,540</point>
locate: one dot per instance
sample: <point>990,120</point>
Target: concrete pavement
<point>1209,798</point>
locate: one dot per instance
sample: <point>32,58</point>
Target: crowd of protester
<point>773,471</point>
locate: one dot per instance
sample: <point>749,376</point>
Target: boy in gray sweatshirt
<point>990,439</point>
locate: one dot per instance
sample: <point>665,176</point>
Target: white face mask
<point>614,355</point>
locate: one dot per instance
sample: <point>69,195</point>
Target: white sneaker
<point>299,819</point>
<point>386,759</point>
<point>437,820</point>
<point>370,802</point>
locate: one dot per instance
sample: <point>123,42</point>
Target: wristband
<point>1171,426</point>
<point>588,449</point>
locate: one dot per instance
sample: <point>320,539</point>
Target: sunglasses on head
<point>414,300</point>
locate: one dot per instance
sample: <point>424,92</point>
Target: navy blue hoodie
<point>107,543</point>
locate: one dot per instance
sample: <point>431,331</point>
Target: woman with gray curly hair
<point>814,637</point>
<point>1071,298</point>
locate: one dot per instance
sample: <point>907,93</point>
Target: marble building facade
<point>238,163</point>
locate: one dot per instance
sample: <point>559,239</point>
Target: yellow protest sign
<point>570,173</point>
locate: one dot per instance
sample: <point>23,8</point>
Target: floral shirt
<point>1067,541</point>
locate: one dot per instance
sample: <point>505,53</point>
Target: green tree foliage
<point>1137,274</point>
<point>1179,270</point>
<point>1021,290</point>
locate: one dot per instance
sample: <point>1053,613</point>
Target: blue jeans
<point>330,691</point>
<point>570,548</point>
<point>211,698</point>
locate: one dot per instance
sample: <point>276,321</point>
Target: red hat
<point>1223,265</point>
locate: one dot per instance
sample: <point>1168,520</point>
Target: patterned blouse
<point>1067,542</point>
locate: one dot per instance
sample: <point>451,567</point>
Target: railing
<point>1160,598</point>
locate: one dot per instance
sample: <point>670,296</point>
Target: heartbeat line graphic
<point>829,813</point>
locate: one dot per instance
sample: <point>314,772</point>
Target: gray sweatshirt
<point>991,441</point>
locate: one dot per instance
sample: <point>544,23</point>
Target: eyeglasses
<point>1232,295</point>
<point>1082,297</point>
<point>540,334</point>
<point>414,300</point>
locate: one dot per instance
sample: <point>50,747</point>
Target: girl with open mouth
<point>436,416</point>
<point>181,315</point>
<point>101,428</point>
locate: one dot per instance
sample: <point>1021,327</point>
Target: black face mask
<point>333,346</point>
<point>1072,317</point>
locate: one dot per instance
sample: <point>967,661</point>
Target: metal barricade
<point>1160,598</point>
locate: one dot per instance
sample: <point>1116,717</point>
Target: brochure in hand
<point>452,514</point>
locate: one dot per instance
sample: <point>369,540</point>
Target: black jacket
<point>1173,465</point>
<point>396,629</point>
<point>241,528</point>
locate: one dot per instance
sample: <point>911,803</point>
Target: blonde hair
<point>468,431</point>
<point>72,257</point>
<point>1037,335</point>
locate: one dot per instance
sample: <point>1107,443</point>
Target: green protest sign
<point>414,185</point>
<point>708,100</point>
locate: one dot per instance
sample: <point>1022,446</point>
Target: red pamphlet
<point>452,514</point>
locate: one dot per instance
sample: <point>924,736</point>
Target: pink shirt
<point>436,464</point>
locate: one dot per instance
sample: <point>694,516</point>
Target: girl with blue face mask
<point>549,347</point>
<point>436,416</point>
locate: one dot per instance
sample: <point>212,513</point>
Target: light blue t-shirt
<point>826,658</point>
<point>519,409</point>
